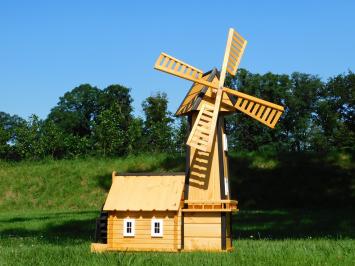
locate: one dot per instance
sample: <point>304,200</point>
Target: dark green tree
<point>113,121</point>
<point>76,110</point>
<point>117,98</point>
<point>135,135</point>
<point>28,139</point>
<point>300,103</point>
<point>180,136</point>
<point>245,132</point>
<point>334,125</point>
<point>8,124</point>
<point>53,139</point>
<point>109,136</point>
<point>158,132</point>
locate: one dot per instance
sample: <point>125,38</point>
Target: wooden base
<point>209,250</point>
<point>99,248</point>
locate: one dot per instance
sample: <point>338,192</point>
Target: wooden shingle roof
<point>144,192</point>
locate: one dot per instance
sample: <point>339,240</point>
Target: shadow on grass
<point>291,180</point>
<point>71,228</point>
<point>171,163</point>
<point>291,224</point>
<point>55,228</point>
<point>43,217</point>
<point>283,181</point>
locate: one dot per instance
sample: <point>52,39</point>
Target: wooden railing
<point>210,206</point>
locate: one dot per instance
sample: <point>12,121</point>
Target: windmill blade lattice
<point>177,67</point>
<point>237,47</point>
<point>263,111</point>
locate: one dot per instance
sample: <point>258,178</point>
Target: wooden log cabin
<point>174,212</point>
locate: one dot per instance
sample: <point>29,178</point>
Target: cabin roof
<point>145,192</point>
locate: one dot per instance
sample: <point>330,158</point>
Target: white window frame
<point>133,227</point>
<point>161,225</point>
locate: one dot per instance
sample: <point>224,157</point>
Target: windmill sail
<point>234,51</point>
<point>265,112</point>
<point>203,131</point>
<point>177,67</point>
<point>231,61</point>
<point>200,133</point>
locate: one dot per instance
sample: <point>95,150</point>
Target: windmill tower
<point>206,214</point>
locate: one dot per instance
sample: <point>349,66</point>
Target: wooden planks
<point>142,240</point>
<point>145,193</point>
<point>237,47</point>
<point>213,124</point>
<point>202,218</point>
<point>200,135</point>
<point>202,231</point>
<point>204,172</point>
<point>269,121</point>
<point>98,247</point>
<point>177,67</point>
<point>263,111</point>
<point>233,53</point>
<point>202,243</point>
<point>208,210</point>
<point>203,131</point>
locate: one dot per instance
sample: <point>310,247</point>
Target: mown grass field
<point>48,212</point>
<point>262,238</point>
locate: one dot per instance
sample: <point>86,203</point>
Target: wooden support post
<point>187,162</point>
<point>220,156</point>
<point>224,231</point>
<point>182,230</point>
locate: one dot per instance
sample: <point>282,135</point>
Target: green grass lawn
<point>261,238</point>
<point>48,211</point>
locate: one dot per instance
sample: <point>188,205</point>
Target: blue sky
<point>48,47</point>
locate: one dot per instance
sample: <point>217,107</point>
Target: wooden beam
<point>225,59</point>
<point>209,210</point>
<point>213,125</point>
<point>220,158</point>
<point>225,89</point>
<point>223,231</point>
<point>211,201</point>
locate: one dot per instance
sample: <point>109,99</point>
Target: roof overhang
<point>145,192</point>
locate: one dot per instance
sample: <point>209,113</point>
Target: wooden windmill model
<point>206,193</point>
<point>192,210</point>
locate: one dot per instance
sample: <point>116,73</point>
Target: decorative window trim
<point>126,223</point>
<point>154,232</point>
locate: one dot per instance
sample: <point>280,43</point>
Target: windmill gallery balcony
<point>210,206</point>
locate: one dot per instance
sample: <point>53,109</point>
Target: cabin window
<point>157,228</point>
<point>129,227</point>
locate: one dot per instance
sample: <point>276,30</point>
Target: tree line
<point>319,116</point>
